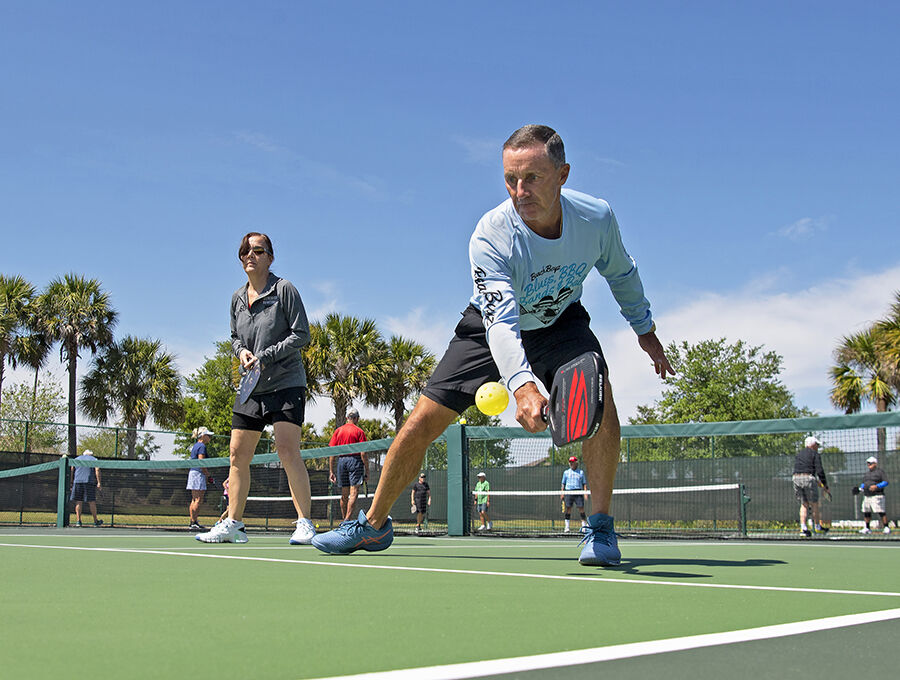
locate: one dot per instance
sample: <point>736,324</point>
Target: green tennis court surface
<point>119,604</point>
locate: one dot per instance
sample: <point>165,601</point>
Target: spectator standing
<point>483,502</point>
<point>197,477</point>
<point>85,484</point>
<point>872,487</point>
<point>573,479</point>
<point>352,468</point>
<point>808,474</point>
<point>420,499</point>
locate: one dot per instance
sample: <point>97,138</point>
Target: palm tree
<point>15,296</point>
<point>78,315</point>
<point>409,365</point>
<point>888,330</point>
<point>32,348</point>
<point>345,360</point>
<point>863,374</point>
<point>137,379</point>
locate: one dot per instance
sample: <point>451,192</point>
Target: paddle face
<point>576,399</point>
<point>249,378</point>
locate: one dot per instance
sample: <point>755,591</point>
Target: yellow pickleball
<point>492,399</point>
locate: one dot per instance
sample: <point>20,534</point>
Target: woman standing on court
<point>196,482</point>
<point>268,330</point>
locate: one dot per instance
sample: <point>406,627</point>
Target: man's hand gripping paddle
<point>576,400</point>
<point>249,378</point>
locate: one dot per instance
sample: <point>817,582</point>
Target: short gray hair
<point>531,135</point>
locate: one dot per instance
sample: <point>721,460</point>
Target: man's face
<point>573,464</point>
<point>534,183</point>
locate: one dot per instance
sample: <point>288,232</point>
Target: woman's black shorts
<point>287,405</point>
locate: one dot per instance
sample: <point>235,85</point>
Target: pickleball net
<point>696,510</point>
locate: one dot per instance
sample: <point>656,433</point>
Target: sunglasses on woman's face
<point>256,250</point>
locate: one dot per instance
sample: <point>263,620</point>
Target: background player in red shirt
<point>352,468</point>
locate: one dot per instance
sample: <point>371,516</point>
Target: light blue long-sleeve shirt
<point>523,281</point>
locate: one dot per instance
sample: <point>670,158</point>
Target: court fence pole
<point>744,499</point>
<point>457,460</point>
<point>61,492</point>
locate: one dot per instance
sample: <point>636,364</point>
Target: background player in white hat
<point>872,487</point>
<point>808,474</point>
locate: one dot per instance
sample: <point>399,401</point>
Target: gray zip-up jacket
<point>275,329</point>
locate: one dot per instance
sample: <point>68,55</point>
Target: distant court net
<point>696,510</point>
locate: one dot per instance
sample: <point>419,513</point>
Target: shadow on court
<point>640,566</point>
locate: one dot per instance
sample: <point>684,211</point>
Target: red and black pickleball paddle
<point>576,399</point>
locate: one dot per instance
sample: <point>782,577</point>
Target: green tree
<point>16,295</point>
<point>33,417</point>
<point>345,361</point>
<point>867,369</point>
<point>79,316</point>
<point>716,381</point>
<point>109,442</point>
<point>888,330</point>
<point>209,400</point>
<point>32,347</point>
<point>137,379</point>
<point>408,367</point>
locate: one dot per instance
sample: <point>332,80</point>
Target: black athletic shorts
<point>287,405</point>
<point>577,499</point>
<point>467,363</point>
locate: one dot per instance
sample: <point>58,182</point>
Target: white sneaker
<point>224,531</point>
<point>566,530</point>
<point>490,525</point>
<point>481,528</point>
<point>303,534</point>
<point>865,530</point>
<point>886,530</point>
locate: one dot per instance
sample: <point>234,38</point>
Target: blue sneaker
<point>601,547</point>
<point>352,535</point>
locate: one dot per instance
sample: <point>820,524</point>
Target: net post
<point>61,492</point>
<point>457,460</point>
<point>744,499</point>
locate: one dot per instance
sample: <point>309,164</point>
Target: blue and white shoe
<point>601,547</point>
<point>353,535</point>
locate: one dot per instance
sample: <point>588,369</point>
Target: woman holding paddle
<point>268,330</point>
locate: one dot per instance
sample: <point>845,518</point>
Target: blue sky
<point>750,151</point>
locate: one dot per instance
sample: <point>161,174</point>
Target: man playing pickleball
<point>529,256</point>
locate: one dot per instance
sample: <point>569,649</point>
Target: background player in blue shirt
<point>573,479</point>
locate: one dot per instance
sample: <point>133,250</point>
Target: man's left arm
<point>621,274</point>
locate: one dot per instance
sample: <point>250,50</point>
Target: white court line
<point>465,572</point>
<point>477,669</point>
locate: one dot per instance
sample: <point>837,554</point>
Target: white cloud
<point>480,151</point>
<point>328,299</point>
<point>805,227</point>
<point>416,325</point>
<point>803,327</point>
